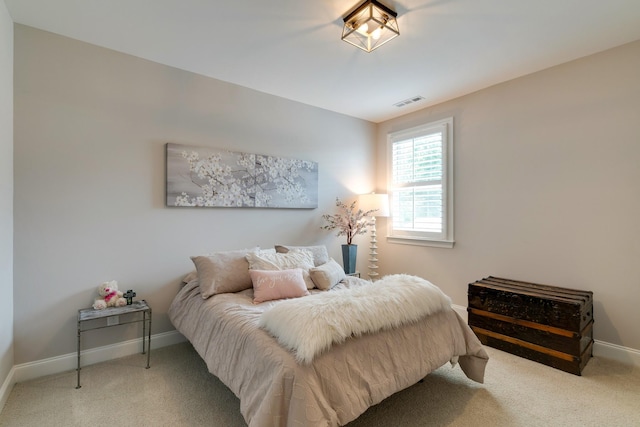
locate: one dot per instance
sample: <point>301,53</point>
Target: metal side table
<point>137,307</point>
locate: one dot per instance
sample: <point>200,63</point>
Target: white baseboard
<point>68,362</point>
<point>626,355</point>
<point>7,386</point>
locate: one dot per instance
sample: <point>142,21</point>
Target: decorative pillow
<point>189,277</point>
<point>327,275</point>
<point>222,272</point>
<point>277,284</point>
<point>296,258</point>
<point>320,254</point>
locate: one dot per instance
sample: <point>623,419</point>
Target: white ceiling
<point>292,48</point>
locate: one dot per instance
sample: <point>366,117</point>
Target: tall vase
<point>349,253</point>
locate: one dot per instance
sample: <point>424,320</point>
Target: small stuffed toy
<point>110,296</point>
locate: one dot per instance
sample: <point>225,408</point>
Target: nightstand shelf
<point>138,307</point>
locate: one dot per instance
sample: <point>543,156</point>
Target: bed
<point>331,386</point>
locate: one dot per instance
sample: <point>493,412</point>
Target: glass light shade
<point>370,25</point>
<point>379,202</point>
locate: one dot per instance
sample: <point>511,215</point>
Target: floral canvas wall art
<point>212,177</point>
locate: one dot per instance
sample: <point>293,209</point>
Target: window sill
<point>416,241</point>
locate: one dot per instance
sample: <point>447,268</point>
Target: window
<point>421,185</point>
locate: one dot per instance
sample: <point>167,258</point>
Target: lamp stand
<point>373,254</point>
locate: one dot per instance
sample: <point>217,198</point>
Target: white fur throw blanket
<point>310,325</point>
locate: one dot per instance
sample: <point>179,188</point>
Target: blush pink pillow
<point>277,284</point>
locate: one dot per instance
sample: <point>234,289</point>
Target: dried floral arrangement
<point>349,221</point>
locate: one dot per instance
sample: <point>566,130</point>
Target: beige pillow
<point>222,272</point>
<point>327,275</point>
<point>189,277</point>
<point>295,258</point>
<point>319,252</point>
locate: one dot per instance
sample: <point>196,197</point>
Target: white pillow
<point>296,258</point>
<point>319,252</point>
<point>327,275</point>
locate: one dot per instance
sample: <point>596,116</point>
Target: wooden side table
<point>137,307</point>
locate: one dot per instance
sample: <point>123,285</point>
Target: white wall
<point>546,183</point>
<point>90,132</point>
<point>6,193</point>
<point>547,187</point>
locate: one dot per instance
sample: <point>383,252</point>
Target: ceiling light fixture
<point>370,25</point>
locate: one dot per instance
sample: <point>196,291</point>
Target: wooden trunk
<point>547,324</point>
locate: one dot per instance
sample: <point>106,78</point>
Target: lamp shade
<point>380,202</point>
<point>370,25</point>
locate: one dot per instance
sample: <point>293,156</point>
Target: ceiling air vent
<point>409,101</point>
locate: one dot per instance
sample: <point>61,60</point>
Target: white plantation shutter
<point>420,183</point>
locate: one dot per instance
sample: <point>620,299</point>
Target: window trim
<point>418,238</point>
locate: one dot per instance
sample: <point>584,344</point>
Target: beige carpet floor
<point>178,391</point>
